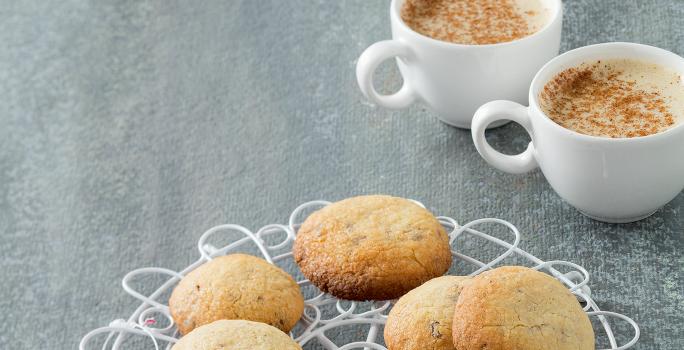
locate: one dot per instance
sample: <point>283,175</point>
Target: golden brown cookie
<point>236,335</point>
<point>236,286</point>
<point>371,248</point>
<point>513,308</point>
<point>422,318</point>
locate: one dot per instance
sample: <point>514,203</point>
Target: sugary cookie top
<point>518,308</point>
<point>371,247</point>
<point>236,286</point>
<point>236,335</point>
<point>422,318</point>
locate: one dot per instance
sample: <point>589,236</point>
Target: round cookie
<point>236,286</point>
<point>236,335</point>
<point>371,248</point>
<point>515,307</point>
<point>422,318</point>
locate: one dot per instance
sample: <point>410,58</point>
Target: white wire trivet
<point>145,320</point>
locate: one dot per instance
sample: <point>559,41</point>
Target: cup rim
<point>534,100</point>
<point>395,12</point>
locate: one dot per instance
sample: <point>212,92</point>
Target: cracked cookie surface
<point>422,318</point>
<point>236,335</point>
<point>513,307</point>
<point>236,286</point>
<point>371,247</point>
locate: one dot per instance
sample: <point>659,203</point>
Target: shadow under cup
<point>614,180</point>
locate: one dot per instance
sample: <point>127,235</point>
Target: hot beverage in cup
<point>476,22</point>
<point>455,55</point>
<point>617,98</point>
<point>606,127</point>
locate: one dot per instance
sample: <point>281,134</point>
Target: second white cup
<point>612,180</point>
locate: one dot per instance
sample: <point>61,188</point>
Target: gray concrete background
<point>127,128</point>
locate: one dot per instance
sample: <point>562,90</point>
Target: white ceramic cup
<point>612,180</point>
<point>453,80</point>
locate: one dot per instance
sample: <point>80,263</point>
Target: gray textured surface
<point>128,128</point>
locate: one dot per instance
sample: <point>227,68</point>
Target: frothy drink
<point>617,98</point>
<point>475,22</point>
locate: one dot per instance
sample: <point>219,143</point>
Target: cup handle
<point>492,112</point>
<point>369,62</point>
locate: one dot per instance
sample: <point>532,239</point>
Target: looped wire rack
<point>324,313</point>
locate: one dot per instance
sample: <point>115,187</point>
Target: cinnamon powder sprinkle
<point>475,22</point>
<point>614,98</point>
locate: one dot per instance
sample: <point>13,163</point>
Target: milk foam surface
<point>534,12</point>
<point>476,21</point>
<point>615,98</point>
